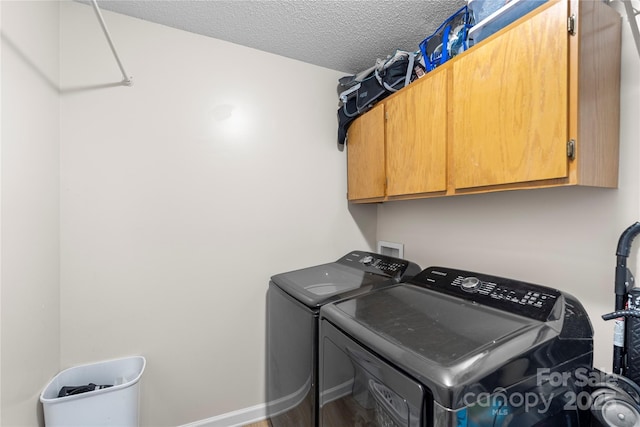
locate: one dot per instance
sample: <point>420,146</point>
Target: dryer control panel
<point>526,299</point>
<point>380,264</point>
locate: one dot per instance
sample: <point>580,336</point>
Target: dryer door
<point>359,389</point>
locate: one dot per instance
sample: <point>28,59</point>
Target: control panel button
<point>470,284</point>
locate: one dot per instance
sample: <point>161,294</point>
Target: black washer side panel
<point>291,362</point>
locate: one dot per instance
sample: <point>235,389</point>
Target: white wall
<point>29,195</point>
<point>563,237</point>
<point>172,221</point>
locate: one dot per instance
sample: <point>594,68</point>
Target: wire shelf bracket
<point>126,79</point>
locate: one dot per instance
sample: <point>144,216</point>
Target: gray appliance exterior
<point>456,344</point>
<point>293,304</point>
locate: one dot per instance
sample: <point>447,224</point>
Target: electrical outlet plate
<point>391,249</point>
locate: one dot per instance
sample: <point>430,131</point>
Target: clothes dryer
<point>293,304</point>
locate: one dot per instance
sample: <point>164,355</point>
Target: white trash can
<point>112,406</point>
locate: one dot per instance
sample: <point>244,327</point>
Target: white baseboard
<point>336,392</point>
<point>237,418</point>
<point>256,413</point>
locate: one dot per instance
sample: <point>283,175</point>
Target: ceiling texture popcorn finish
<point>344,35</point>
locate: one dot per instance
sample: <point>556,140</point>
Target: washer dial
<point>470,284</point>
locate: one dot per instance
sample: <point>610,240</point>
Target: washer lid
<point>448,344</point>
<point>438,328</point>
<point>353,274</point>
<point>317,285</point>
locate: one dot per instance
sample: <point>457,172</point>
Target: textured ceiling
<point>344,35</point>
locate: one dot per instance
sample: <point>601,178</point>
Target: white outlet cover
<point>391,249</point>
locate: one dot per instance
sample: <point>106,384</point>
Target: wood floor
<point>258,424</point>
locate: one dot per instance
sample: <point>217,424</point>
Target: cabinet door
<point>365,156</point>
<point>510,98</point>
<point>417,137</point>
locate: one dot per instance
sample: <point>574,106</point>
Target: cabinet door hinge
<point>386,115</point>
<point>571,25</point>
<point>571,149</point>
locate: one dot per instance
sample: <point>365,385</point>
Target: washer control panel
<point>517,297</point>
<point>379,264</point>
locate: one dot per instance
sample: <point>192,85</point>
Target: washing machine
<point>455,348</point>
<point>293,304</point>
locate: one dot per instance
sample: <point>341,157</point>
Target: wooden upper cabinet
<point>510,105</point>
<point>416,138</point>
<point>365,157</point>
<point>535,105</point>
<point>398,149</point>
